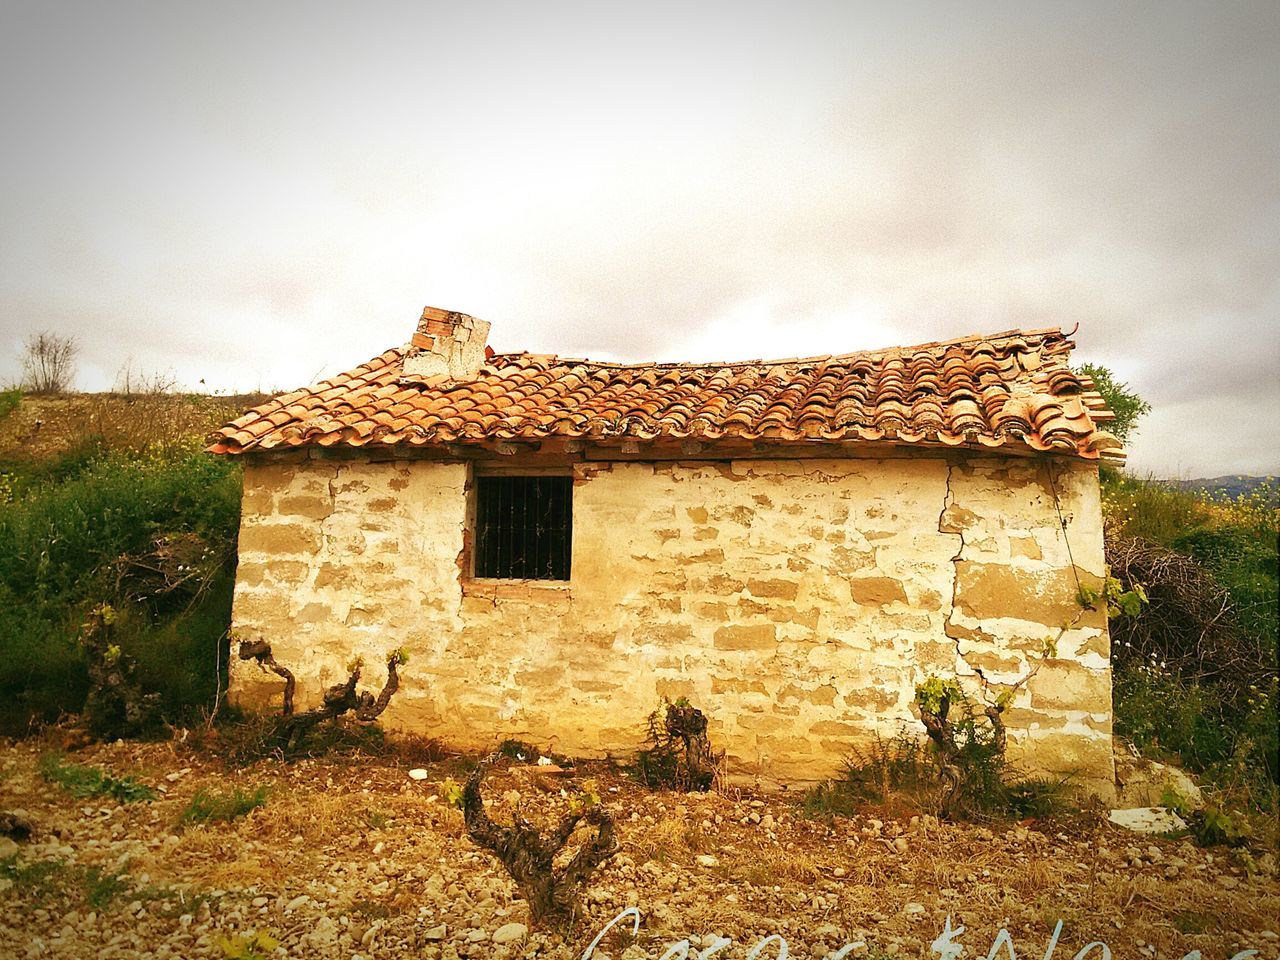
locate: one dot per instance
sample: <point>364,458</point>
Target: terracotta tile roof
<point>1011,390</point>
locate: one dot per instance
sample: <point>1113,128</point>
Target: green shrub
<point>61,549</point>
<point>209,806</point>
<point>1195,678</point>
<point>60,544</point>
<point>83,781</point>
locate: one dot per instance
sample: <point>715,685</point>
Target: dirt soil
<point>351,857</point>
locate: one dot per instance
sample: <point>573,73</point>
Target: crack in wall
<point>953,527</point>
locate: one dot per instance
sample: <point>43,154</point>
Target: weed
<point>173,901</point>
<point>900,775</point>
<point>58,883</point>
<point>895,766</point>
<point>893,772</point>
<point>259,945</point>
<point>1193,921</point>
<point>101,888</point>
<point>209,806</point>
<point>84,781</point>
<point>1214,826</point>
<point>40,880</point>
<point>828,800</point>
<point>375,819</point>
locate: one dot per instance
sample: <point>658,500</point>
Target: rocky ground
<point>353,858</point>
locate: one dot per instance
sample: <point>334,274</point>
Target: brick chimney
<point>446,343</point>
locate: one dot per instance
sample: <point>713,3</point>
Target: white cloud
<point>253,194</point>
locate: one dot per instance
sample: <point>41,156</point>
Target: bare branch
<point>49,364</point>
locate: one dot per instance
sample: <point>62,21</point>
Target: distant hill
<point>1230,486</point>
<point>43,427</point>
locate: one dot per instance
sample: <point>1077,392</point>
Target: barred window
<point>524,527</point>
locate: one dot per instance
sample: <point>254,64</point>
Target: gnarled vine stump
<point>552,892</point>
<point>341,698</point>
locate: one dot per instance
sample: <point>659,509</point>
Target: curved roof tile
<point>997,390</point>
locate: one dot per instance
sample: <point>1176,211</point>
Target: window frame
<point>481,471</point>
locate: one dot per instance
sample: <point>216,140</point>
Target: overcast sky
<point>256,195</point>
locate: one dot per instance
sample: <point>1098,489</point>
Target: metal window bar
<point>524,527</point>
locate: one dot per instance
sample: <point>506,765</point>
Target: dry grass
<point>668,840</point>
<point>42,427</point>
<point>767,865</point>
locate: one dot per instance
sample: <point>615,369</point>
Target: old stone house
<point>791,544</point>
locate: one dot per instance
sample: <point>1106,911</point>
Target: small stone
<point>912,909</point>
<point>260,901</point>
<point>297,903</point>
<point>707,860</point>
<point>510,932</point>
<point>435,933</point>
<point>418,774</point>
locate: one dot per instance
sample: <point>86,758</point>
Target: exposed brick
<point>876,590</point>
<point>313,508</point>
<point>779,589</point>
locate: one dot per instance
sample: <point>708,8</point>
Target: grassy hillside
<point>109,499</point>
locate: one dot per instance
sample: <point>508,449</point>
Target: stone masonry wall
<point>798,602</point>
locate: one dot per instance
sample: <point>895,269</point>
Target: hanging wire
<point>1057,505</point>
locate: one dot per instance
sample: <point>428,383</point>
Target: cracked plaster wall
<point>798,602</point>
